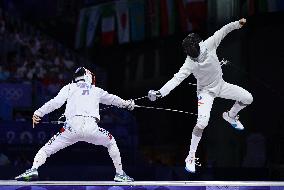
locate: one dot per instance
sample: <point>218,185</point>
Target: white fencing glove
<point>129,104</point>
<point>154,95</point>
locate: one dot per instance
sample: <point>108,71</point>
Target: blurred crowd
<point>26,54</point>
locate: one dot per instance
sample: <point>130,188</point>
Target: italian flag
<point>108,25</point>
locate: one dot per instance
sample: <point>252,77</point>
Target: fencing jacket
<point>206,68</point>
<point>82,99</point>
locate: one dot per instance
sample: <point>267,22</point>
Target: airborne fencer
<point>203,63</point>
<point>82,99</point>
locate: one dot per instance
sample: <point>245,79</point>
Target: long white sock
<point>194,144</point>
<point>115,156</point>
<point>235,109</point>
<point>39,159</point>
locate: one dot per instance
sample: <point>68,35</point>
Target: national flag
<point>153,18</point>
<point>197,12</point>
<point>81,29</point>
<point>280,5</point>
<point>272,5</point>
<point>94,15</point>
<point>108,24</point>
<point>251,7</point>
<point>167,17</point>
<point>185,25</point>
<point>137,20</point>
<point>262,6</point>
<point>122,14</point>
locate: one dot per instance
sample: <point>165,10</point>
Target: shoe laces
<point>25,173</point>
<point>29,171</point>
<point>195,160</point>
<point>236,118</point>
<point>124,175</point>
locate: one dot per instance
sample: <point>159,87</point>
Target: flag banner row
<point>125,21</point>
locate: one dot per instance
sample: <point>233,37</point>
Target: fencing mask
<point>83,74</point>
<point>191,46</point>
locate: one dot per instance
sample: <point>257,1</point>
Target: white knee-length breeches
<point>78,129</point>
<point>227,91</point>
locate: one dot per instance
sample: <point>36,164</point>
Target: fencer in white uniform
<point>203,63</point>
<point>82,99</point>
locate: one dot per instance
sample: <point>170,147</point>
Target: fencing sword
<point>165,109</point>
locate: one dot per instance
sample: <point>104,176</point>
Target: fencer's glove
<point>242,22</point>
<point>130,104</point>
<point>154,95</point>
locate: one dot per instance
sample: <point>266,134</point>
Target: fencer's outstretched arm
<point>110,99</point>
<point>214,41</point>
<point>182,74</point>
<point>51,105</point>
<point>54,103</point>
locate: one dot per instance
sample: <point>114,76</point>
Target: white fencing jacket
<point>206,69</point>
<point>82,99</point>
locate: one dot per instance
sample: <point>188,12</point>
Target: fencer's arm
<point>110,99</point>
<point>54,103</point>
<point>183,73</point>
<point>214,41</point>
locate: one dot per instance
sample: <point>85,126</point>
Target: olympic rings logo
<point>11,94</point>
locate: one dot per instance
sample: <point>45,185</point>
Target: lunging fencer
<point>82,117</point>
<point>203,63</point>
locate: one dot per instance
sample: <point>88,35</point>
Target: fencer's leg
<point>114,153</point>
<point>59,141</point>
<point>39,159</point>
<point>104,138</point>
<point>242,97</point>
<point>191,160</point>
<point>32,174</point>
<point>195,138</point>
<point>205,102</point>
<point>238,106</point>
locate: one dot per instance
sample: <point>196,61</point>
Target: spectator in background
<point>37,51</point>
<point>19,117</point>
<point>4,160</point>
<point>4,74</point>
<point>2,25</point>
<point>22,161</point>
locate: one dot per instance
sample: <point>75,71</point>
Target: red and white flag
<point>122,13</point>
